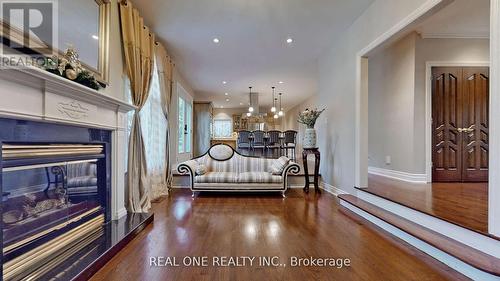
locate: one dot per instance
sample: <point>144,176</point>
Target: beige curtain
<point>138,46</point>
<point>165,73</point>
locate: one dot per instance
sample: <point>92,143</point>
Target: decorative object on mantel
<point>69,67</point>
<point>308,118</point>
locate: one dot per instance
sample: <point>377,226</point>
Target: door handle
<point>465,130</point>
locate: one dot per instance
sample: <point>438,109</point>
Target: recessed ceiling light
<point>224,82</point>
<point>216,40</point>
<point>281,82</point>
<point>221,106</point>
<point>226,94</point>
<point>95,37</point>
<point>227,99</point>
<point>289,40</point>
<point>241,103</point>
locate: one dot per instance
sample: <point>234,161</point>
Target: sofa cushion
<point>201,169</point>
<point>258,177</point>
<point>217,177</point>
<point>221,152</point>
<point>279,165</point>
<point>230,165</point>
<point>253,164</point>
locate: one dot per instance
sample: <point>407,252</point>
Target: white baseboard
<point>332,189</point>
<point>398,175</point>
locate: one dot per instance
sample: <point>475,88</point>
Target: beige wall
<point>397,97</point>
<point>391,82</point>
<point>337,88</point>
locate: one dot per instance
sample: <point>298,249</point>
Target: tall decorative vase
<point>309,140</point>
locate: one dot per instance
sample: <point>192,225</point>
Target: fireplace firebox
<point>55,184</point>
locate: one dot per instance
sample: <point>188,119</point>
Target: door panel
<point>447,118</point>
<point>460,124</point>
<point>476,121</point>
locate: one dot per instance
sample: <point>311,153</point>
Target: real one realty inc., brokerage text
<point>248,261</point>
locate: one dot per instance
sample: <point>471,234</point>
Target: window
<point>223,128</point>
<point>154,127</point>
<point>185,113</point>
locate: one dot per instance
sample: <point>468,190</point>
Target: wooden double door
<point>460,124</point>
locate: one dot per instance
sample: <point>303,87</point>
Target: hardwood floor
<point>266,225</point>
<point>465,204</point>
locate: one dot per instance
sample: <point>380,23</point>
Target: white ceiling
<point>461,18</point>
<point>252,49</point>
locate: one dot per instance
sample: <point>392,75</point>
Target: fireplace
<point>63,185</point>
<point>55,185</point>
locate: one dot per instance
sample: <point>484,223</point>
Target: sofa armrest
<point>291,168</point>
<point>188,168</point>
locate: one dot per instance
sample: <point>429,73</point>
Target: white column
<point>494,133</point>
<point>361,154</point>
<point>118,159</point>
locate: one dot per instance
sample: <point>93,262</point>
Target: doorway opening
<point>428,115</point>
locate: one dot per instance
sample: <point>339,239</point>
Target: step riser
<point>470,238</point>
<point>452,262</point>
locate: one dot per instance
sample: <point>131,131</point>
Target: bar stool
<point>273,142</point>
<point>243,141</point>
<point>289,143</point>
<point>258,141</point>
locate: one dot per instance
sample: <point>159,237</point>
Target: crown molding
<point>430,35</point>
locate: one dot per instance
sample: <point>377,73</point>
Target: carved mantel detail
<point>73,109</point>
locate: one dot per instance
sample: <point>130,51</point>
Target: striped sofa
<point>224,169</point>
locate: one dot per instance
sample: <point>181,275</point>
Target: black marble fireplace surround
<point>42,192</point>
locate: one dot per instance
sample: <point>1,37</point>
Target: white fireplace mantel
<point>35,94</point>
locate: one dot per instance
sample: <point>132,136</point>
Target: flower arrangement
<point>69,67</point>
<point>308,117</point>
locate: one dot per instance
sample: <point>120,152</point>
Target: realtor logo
<point>29,27</point>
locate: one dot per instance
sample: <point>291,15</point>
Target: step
<point>460,251</point>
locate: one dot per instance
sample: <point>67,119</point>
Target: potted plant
<point>308,117</point>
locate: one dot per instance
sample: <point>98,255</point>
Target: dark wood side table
<point>317,155</point>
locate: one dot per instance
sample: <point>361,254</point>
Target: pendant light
<point>280,113</point>
<point>250,108</point>
<point>275,101</point>
<point>273,109</point>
